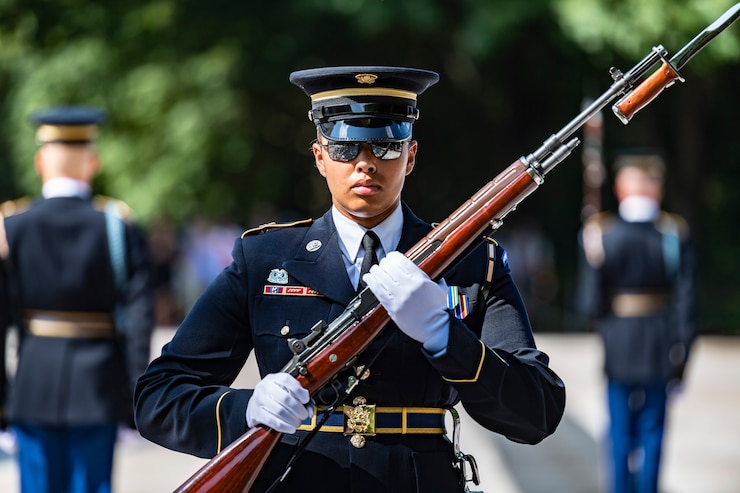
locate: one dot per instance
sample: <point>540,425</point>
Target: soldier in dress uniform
<point>69,264</point>
<point>284,278</point>
<point>638,287</point>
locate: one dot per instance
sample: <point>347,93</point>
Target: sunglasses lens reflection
<point>347,151</point>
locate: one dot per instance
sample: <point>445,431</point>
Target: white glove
<point>414,302</point>
<point>279,402</point>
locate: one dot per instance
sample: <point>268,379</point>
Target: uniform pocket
<point>279,318</point>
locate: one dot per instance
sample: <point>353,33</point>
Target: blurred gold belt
<point>638,304</point>
<point>91,325</point>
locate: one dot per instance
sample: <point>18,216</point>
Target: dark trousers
<point>637,423</point>
<point>76,459</point>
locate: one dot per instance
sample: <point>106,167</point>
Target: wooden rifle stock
<point>235,467</point>
<point>338,344</point>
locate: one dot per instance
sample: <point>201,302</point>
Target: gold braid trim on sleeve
<point>218,420</point>
<point>477,372</point>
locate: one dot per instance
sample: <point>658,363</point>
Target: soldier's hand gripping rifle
<point>331,348</point>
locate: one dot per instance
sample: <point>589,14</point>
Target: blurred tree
<point>626,27</point>
<point>203,121</point>
<point>202,118</point>
<point>169,147</point>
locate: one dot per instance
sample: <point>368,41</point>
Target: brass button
<point>357,441</point>
<point>362,372</point>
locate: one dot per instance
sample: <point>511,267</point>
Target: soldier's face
<point>366,189</point>
<point>632,181</point>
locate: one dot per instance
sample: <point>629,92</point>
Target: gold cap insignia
<point>366,78</point>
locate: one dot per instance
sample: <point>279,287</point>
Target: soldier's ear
<point>37,163</point>
<point>318,158</point>
<point>92,166</point>
<point>411,158</point>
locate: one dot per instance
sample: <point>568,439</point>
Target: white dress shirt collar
<point>65,187</point>
<point>351,233</point>
<point>639,209</point>
<point>350,239</point>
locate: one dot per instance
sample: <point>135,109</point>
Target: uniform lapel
<point>413,229</point>
<point>318,262</point>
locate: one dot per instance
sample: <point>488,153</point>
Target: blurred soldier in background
<point>639,287</point>
<point>75,279</point>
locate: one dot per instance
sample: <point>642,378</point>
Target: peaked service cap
<point>68,124</point>
<point>364,103</point>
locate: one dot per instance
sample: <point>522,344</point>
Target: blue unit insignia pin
<point>278,276</point>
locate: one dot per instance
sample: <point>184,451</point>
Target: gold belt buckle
<point>359,420</point>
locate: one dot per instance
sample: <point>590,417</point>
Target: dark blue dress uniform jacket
<point>643,258</point>
<point>184,401</point>
<point>59,261</point>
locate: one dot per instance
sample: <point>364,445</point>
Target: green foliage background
<point>204,123</point>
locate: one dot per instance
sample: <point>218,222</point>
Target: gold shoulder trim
<point>218,420</point>
<point>604,219</point>
<point>120,208</point>
<point>273,225</point>
<point>491,245</point>
<point>12,207</point>
<point>7,209</point>
<point>4,249</point>
<point>668,223</point>
<point>592,236</point>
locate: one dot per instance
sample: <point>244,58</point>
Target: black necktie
<point>369,242</point>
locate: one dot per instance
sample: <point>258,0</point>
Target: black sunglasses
<point>347,151</point>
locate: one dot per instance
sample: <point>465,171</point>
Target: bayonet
<point>703,38</point>
<point>668,73</point>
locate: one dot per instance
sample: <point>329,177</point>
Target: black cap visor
<point>366,130</point>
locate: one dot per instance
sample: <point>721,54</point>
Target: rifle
<point>330,348</point>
